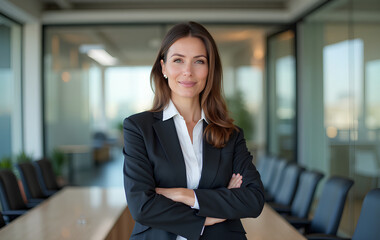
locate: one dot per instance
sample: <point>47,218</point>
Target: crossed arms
<point>168,209</point>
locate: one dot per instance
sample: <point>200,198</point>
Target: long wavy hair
<point>220,125</point>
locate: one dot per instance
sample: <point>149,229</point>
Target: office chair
<point>329,209</point>
<point>368,224</point>
<point>268,171</point>
<point>32,187</point>
<point>304,196</point>
<point>12,203</point>
<point>275,184</point>
<point>48,179</point>
<point>288,186</point>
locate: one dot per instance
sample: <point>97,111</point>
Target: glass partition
<point>282,95</point>
<point>10,88</point>
<point>340,106</point>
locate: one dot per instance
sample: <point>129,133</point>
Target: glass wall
<point>242,51</point>
<point>95,76</point>
<point>282,95</point>
<point>10,88</point>
<point>339,104</point>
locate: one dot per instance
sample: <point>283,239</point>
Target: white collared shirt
<point>192,151</point>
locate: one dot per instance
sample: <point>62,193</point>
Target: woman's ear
<point>163,69</point>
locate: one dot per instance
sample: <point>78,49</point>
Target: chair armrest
<point>280,208</point>
<point>298,222</point>
<point>32,204</point>
<point>268,197</point>
<point>13,212</point>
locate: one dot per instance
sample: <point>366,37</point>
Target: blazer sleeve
<point>147,207</point>
<point>243,202</point>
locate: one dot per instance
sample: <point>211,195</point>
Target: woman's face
<point>186,68</point>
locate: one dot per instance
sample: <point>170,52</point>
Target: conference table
<point>102,213</point>
<point>75,213</point>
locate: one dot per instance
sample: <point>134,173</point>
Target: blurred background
<point>302,78</point>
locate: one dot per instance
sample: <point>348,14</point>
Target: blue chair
<point>304,195</point>
<point>329,210</point>
<point>367,227</point>
<point>275,184</point>
<point>288,186</point>
<point>268,171</point>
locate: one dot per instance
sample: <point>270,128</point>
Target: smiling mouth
<point>187,83</point>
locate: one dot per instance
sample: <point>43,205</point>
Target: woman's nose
<point>187,70</point>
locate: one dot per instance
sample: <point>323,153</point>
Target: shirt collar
<point>171,111</point>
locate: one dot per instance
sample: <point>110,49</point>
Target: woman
<point>181,156</point>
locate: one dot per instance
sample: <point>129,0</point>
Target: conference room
<point>300,78</point>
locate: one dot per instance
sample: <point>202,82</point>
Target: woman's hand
<point>236,181</point>
<point>211,221</point>
<point>182,195</point>
<point>186,196</point>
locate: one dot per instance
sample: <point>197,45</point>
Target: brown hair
<point>220,125</point>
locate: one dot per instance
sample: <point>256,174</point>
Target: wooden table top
<point>270,226</point>
<point>72,213</point>
<point>91,213</point>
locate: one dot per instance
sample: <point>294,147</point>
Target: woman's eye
<point>200,61</point>
<point>177,60</point>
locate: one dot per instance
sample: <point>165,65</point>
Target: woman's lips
<point>187,83</point>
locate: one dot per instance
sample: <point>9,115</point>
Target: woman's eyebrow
<point>177,54</point>
<point>180,55</point>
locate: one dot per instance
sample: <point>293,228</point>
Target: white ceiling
<point>164,4</point>
<point>231,11</point>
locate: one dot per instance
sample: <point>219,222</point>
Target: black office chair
<point>32,187</point>
<point>275,184</point>
<point>288,186</point>
<point>329,209</point>
<point>12,203</point>
<point>304,195</point>
<point>48,179</point>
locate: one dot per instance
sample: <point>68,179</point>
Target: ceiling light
<point>102,57</point>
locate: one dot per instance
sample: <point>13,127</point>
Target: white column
<point>32,94</point>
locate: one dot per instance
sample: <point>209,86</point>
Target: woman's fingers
<point>236,181</point>
<point>211,221</point>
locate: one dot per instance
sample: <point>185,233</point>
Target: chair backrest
<point>277,177</point>
<point>262,163</point>
<point>330,206</point>
<point>305,193</point>
<point>268,174</point>
<point>11,198</point>
<point>49,179</point>
<point>30,181</point>
<point>368,224</point>
<point>288,186</point>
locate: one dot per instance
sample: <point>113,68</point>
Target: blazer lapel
<point>211,159</point>
<point>167,135</point>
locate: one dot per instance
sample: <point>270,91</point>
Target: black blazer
<point>153,158</point>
